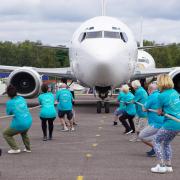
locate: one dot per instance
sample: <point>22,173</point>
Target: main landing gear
<point>103,104</point>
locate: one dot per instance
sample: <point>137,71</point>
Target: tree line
<point>165,56</point>
<point>29,53</point>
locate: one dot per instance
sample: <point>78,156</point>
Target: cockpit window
<point>124,36</point>
<point>103,34</point>
<point>95,34</point>
<point>111,34</point>
<point>90,35</point>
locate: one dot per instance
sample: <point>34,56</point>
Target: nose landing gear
<point>103,104</point>
<point>103,94</point>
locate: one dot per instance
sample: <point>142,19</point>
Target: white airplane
<point>103,54</point>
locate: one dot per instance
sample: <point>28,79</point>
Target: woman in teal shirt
<point>129,111</point>
<point>48,111</point>
<point>169,103</point>
<point>119,111</point>
<point>155,121</point>
<point>20,123</point>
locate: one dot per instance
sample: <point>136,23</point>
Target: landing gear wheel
<point>99,106</point>
<point>106,106</point>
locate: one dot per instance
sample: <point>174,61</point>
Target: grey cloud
<point>79,10</point>
<point>54,21</point>
<point>146,8</point>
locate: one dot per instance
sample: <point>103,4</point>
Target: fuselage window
<point>143,61</point>
<point>111,34</point>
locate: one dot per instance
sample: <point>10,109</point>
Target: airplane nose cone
<point>106,60</point>
<point>105,56</point>
<point>103,51</point>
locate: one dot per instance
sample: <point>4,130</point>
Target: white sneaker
<point>26,150</point>
<point>129,132</point>
<point>169,169</point>
<point>65,129</point>
<point>159,169</point>
<point>72,129</point>
<point>133,139</point>
<point>12,151</point>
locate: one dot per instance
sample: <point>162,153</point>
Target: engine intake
<point>27,82</point>
<point>175,75</point>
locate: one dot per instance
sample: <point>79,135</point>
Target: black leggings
<point>44,125</point>
<point>127,126</point>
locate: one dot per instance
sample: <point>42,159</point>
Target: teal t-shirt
<point>22,119</point>
<point>120,98</point>
<point>64,98</point>
<point>130,108</point>
<point>141,97</point>
<point>152,102</point>
<point>47,100</point>
<point>169,102</point>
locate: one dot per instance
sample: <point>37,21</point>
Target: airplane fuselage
<point>103,52</point>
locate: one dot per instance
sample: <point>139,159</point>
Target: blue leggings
<point>162,145</point>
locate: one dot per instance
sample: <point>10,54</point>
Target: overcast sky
<point>54,21</point>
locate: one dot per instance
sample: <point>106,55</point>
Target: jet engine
<point>27,82</point>
<point>175,75</point>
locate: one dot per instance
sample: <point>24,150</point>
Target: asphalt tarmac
<point>95,151</point>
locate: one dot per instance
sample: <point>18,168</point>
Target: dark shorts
<point>69,114</point>
<point>118,112</point>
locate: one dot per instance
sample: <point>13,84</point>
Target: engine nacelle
<point>27,82</point>
<point>175,75</point>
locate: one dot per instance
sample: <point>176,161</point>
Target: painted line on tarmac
<point>80,178</point>
<point>88,155</point>
<point>98,135</point>
<point>94,145</point>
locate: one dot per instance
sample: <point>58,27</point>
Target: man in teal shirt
<point>65,106</point>
<point>20,123</point>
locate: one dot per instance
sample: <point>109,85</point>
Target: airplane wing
<point>144,73</point>
<point>58,72</point>
<point>153,46</point>
<point>60,47</point>
<point>8,68</point>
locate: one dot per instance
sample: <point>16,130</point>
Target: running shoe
<point>129,132</point>
<point>27,150</point>
<point>151,153</point>
<point>65,129</point>
<point>159,169</point>
<point>13,151</point>
<point>115,123</point>
<point>169,169</point>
